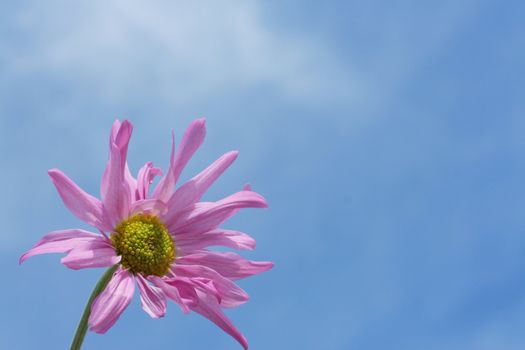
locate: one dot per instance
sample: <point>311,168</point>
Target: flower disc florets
<point>144,244</point>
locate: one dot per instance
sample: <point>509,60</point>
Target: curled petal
<point>120,136</point>
<point>123,136</point>
<point>117,197</point>
<point>148,206</point>
<point>117,183</point>
<point>152,298</point>
<point>146,175</point>
<point>204,284</point>
<point>171,287</point>
<point>229,294</point>
<point>228,264</point>
<point>86,207</point>
<point>130,182</point>
<point>191,141</point>
<point>110,304</point>
<point>166,184</point>
<point>193,189</point>
<point>205,216</point>
<point>227,238</point>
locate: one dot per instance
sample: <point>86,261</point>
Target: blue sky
<point>388,138</point>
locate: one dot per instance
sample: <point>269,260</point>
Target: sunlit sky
<point>388,138</point>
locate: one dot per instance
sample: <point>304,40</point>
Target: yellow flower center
<point>144,244</point>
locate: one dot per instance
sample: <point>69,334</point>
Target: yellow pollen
<point>144,244</point>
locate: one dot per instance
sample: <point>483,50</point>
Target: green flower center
<point>144,244</point>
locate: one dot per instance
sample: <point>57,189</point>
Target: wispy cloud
<point>183,50</point>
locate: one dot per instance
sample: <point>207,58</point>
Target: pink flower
<point>158,239</point>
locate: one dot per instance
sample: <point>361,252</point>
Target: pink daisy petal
<point>117,198</point>
<point>230,294</point>
<point>83,205</point>
<point>219,237</point>
<point>167,183</point>
<point>145,177</point>
<point>109,305</point>
<point>204,284</point>
<point>117,183</point>
<point>115,127</point>
<point>120,136</point>
<point>123,136</point>
<point>62,241</point>
<point>148,206</point>
<point>191,141</point>
<point>91,254</point>
<point>171,287</point>
<point>152,298</point>
<point>205,216</point>
<point>192,190</point>
<point>211,309</point>
<point>131,182</point>
<point>228,264</point>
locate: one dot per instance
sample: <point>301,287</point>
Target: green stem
<point>83,324</point>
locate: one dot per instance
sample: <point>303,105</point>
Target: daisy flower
<point>157,240</point>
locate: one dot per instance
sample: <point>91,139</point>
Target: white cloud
<point>183,50</point>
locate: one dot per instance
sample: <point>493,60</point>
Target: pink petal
<point>204,284</point>
<point>228,264</point>
<point>83,205</point>
<point>218,237</point>
<point>114,131</point>
<point>230,294</point>
<point>123,136</point>
<point>167,183</point>
<point>148,206</point>
<point>152,298</point>
<point>193,190</point>
<point>130,181</point>
<point>91,254</point>
<point>62,241</point>
<point>171,287</point>
<point>116,197</point>
<point>120,136</point>
<point>205,216</point>
<point>210,308</point>
<point>146,175</point>
<point>110,304</point>
<point>191,141</point>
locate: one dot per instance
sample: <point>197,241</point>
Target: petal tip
<point>234,154</point>
<point>199,126</point>
<point>97,330</point>
<point>263,202</point>
<point>269,265</point>
<point>53,172</point>
<point>127,124</point>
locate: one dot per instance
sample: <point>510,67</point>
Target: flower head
<point>158,240</point>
